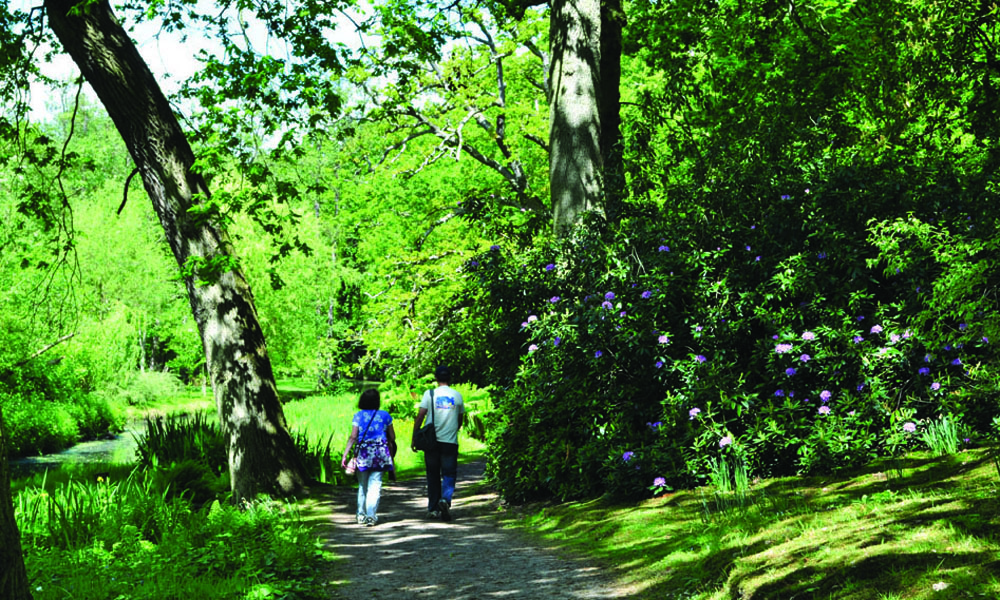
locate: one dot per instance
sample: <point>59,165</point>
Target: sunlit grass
<point>931,533</point>
<point>321,417</point>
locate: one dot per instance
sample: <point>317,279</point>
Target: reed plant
<point>942,436</point>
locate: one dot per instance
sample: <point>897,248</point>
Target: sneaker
<point>434,514</point>
<point>361,519</point>
<point>445,509</point>
<point>371,521</point>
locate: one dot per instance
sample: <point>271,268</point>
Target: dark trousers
<point>442,470</point>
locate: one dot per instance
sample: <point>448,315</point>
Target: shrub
<point>147,387</point>
<point>791,339</point>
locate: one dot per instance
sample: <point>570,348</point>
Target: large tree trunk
<point>13,577</point>
<point>609,103</point>
<point>262,456</point>
<point>575,162</point>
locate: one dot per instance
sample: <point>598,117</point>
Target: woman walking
<point>372,429</point>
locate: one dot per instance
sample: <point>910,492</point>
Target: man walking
<point>442,460</point>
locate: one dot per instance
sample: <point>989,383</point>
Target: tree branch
<point>44,349</point>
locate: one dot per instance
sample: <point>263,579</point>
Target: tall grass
<point>107,538</point>
<point>942,436</point>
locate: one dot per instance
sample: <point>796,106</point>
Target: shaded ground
<point>471,558</point>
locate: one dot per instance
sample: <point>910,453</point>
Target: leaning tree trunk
<point>575,163</point>
<point>262,456</point>
<point>13,577</point>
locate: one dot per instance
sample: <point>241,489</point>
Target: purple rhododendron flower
<point>825,395</point>
<point>646,294</point>
<point>962,326</point>
<point>986,340</point>
<point>909,427</point>
<point>700,358</point>
<point>628,456</point>
<point>923,371</point>
<point>858,339</point>
<point>598,354</point>
<point>694,412</point>
<point>659,364</point>
<point>935,386</point>
<point>861,387</point>
<point>774,337</point>
<point>607,305</point>
<point>782,348</point>
<point>699,327</point>
<point>861,317</point>
<point>664,248</point>
<point>805,358</point>
<point>532,348</point>
<point>789,371</point>
<point>894,338</point>
<point>957,361</point>
<point>725,441</point>
<point>554,299</point>
<point>609,296</point>
<point>495,248</point>
<point>532,318</point>
<point>660,482</point>
<point>779,393</point>
<point>824,410</point>
<point>876,329</point>
<point>622,314</point>
<point>663,339</point>
<point>524,324</point>
<point>808,336</point>
<point>550,267</point>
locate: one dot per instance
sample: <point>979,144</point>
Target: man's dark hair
<point>370,400</point>
<point>442,374</point>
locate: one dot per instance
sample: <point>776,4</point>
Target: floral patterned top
<point>380,421</point>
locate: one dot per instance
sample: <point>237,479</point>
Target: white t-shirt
<point>447,409</point>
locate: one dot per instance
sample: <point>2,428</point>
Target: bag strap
<point>370,421</point>
<point>431,409</point>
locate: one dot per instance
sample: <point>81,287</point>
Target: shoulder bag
<point>426,437</point>
<point>352,465</point>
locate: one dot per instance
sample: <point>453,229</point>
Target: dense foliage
<point>804,263</point>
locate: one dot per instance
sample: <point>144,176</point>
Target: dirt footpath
<point>470,558</point>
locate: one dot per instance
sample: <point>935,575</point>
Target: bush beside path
<point>409,556</point>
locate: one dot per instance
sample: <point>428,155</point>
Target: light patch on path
<point>470,558</point>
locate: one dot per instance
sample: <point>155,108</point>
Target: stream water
<point>118,449</point>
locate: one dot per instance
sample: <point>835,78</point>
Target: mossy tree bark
<point>13,577</point>
<point>262,456</point>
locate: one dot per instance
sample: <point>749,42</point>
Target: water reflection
<point>119,449</point>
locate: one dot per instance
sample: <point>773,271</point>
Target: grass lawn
<point>327,419</point>
<point>929,531</point>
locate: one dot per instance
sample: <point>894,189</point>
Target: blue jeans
<point>369,493</point>
<point>442,470</point>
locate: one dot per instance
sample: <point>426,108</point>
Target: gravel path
<point>470,558</point>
